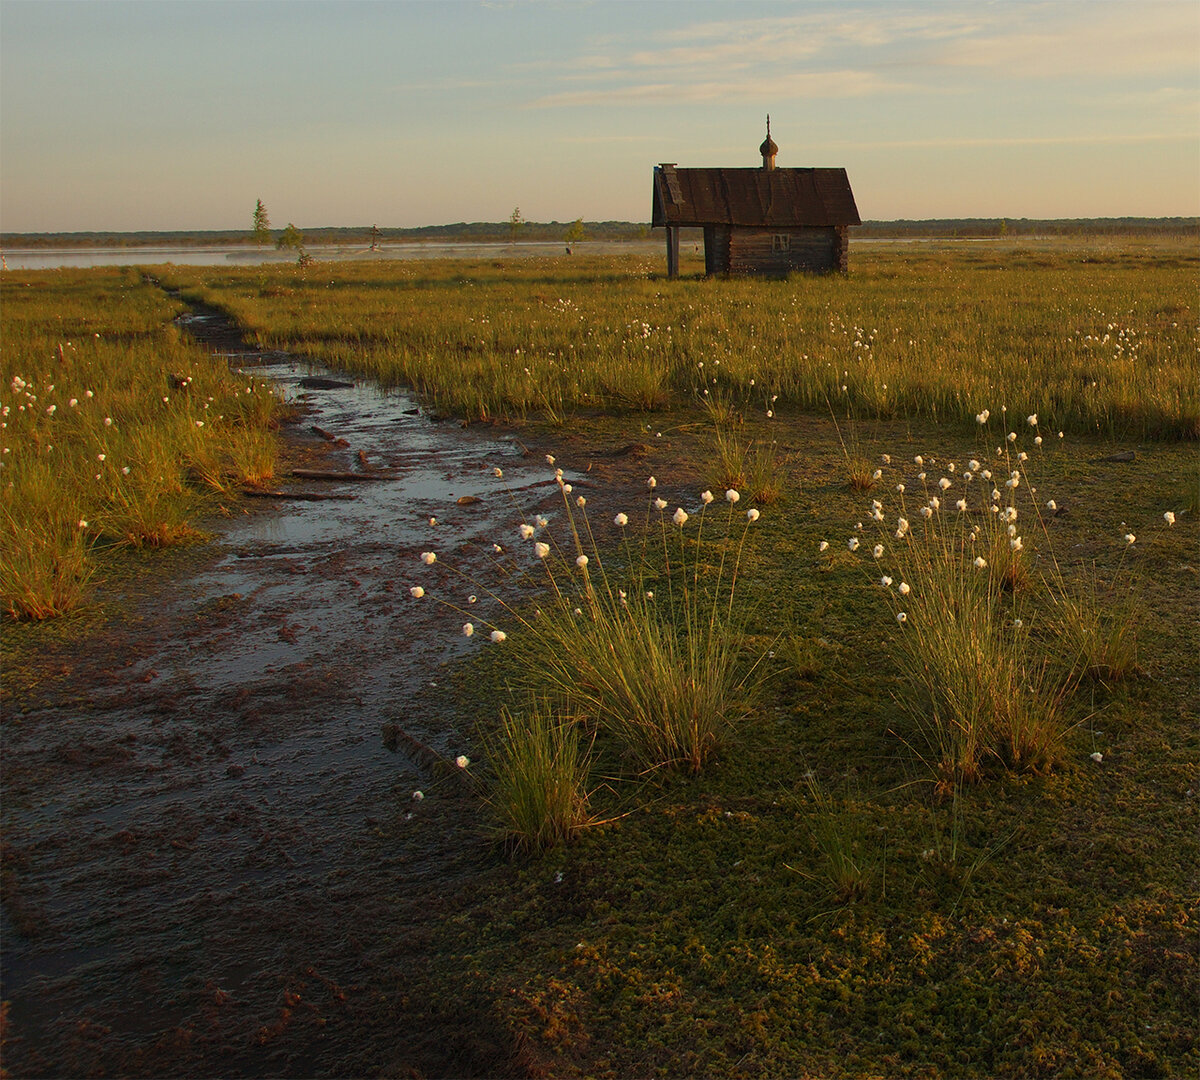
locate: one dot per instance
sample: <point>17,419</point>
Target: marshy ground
<point>214,863</point>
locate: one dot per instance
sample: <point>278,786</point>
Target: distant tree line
<point>969,228</point>
<point>558,231</point>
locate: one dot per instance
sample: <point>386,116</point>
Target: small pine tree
<point>291,240</point>
<point>575,232</point>
<point>515,221</point>
<point>262,224</point>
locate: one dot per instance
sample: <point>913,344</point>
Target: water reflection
<point>51,259</point>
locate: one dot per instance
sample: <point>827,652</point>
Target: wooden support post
<point>672,251</point>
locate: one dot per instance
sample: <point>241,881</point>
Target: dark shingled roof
<point>764,197</point>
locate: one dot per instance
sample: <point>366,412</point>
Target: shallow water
<point>207,810</point>
<point>52,258</point>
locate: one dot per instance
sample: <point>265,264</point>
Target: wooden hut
<point>764,221</point>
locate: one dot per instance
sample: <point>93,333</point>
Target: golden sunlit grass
<point>116,429</point>
<point>1099,342</point>
<point>1014,760</point>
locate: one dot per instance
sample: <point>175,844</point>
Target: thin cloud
<point>953,142</point>
<point>810,85</point>
<point>833,53</point>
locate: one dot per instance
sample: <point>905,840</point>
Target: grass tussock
<point>540,777</point>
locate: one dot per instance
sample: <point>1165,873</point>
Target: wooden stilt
<point>672,251</point>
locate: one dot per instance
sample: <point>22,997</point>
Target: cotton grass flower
<point>1130,538</point>
<point>498,472</point>
<point>1169,517</point>
<point>498,636</point>
<point>961,505</point>
<point>980,562</point>
<point>462,761</point>
<point>651,483</point>
<point>732,496</point>
<point>541,550</point>
<point>621,520</point>
<point>706,497</point>
<point>680,517</point>
<point>853,543</point>
<point>428,558</point>
<point>877,551</point>
<point>416,592</point>
<point>901,617</point>
<point>549,459</point>
<point>468,629</point>
<point>526,532</point>
<point>982,417</point>
<point>752,515</point>
<point>660,504</point>
<point>1051,505</point>
<point>944,483</point>
<point>1097,757</point>
<point>823,545</point>
<point>581,561</point>
<point>580,501</point>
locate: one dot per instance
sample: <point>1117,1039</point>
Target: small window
<point>781,242</point>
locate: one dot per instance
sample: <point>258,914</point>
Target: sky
<point>180,114</point>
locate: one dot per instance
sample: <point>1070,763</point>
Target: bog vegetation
<point>117,431</point>
<point>863,739</point>
<point>1096,343</point>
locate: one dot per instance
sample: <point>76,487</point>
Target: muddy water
<point>213,863</point>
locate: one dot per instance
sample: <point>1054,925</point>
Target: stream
<point>214,862</point>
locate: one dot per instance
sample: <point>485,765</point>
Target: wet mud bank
<point>213,863</point>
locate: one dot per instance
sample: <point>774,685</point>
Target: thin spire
<point>768,148</point>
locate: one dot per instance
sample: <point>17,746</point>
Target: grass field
<point>867,876</point>
<point>958,843</point>
<point>117,431</point>
<point>1095,340</point>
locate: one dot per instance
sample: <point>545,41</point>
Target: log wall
<point>738,250</point>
